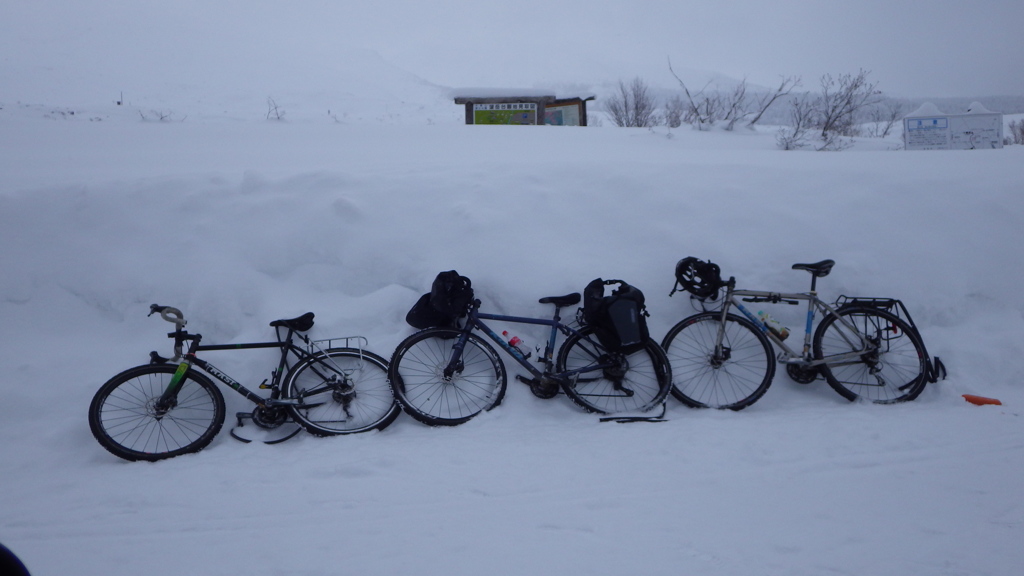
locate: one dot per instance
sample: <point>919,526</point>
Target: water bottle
<point>781,332</point>
<point>517,343</point>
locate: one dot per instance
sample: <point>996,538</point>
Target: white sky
<point>911,47</point>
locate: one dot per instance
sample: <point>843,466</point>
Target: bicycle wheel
<point>123,419</point>
<point>735,380</point>
<point>892,371</point>
<point>342,391</point>
<point>417,376</point>
<point>613,383</point>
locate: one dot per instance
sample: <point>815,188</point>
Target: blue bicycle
<point>444,376</point>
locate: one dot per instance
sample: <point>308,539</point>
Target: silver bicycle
<point>722,357</point>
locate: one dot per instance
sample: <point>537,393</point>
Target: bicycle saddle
<point>819,269</point>
<point>567,300</point>
<point>300,324</point>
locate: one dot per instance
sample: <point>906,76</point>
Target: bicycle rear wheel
<point>734,380</point>
<point>123,417</point>
<point>613,383</point>
<point>342,391</point>
<point>892,370</point>
<point>417,377</point>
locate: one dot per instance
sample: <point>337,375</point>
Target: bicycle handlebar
<point>168,313</point>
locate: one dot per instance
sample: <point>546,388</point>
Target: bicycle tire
<point>122,419</point>
<point>417,378</point>
<point>699,381</point>
<point>637,382</point>
<point>342,391</point>
<point>897,373</point>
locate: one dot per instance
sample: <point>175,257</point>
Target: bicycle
<point>865,348</point>
<point>444,376</point>
<point>168,407</point>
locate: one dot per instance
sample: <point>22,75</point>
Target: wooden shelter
<point>523,108</point>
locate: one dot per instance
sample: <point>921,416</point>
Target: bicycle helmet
<point>702,279</point>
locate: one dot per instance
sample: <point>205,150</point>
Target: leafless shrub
<point>705,108</point>
<point>1016,135</point>
<point>801,115</point>
<point>273,111</point>
<point>882,117</point>
<point>786,86</point>
<point>632,106</point>
<point>158,115</point>
<point>700,112</point>
<point>840,101</point>
<point>675,109</point>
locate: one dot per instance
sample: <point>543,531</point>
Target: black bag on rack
<point>619,320</point>
<point>447,301</point>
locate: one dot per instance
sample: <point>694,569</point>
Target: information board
<point>937,131</point>
<point>926,133</point>
<point>563,115</point>
<point>508,113</point>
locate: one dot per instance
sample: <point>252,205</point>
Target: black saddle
<point>567,300</point>
<point>300,324</point>
<point>819,269</point>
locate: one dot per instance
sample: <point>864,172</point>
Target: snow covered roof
<point>462,93</point>
<point>926,110</point>
<point>977,108</point>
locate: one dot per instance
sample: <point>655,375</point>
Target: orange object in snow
<point>981,400</point>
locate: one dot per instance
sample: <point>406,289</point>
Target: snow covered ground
<point>240,222</point>
<point>185,194</point>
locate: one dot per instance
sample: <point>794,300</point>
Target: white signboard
<point>976,131</point>
<point>930,129</point>
<point>926,133</point>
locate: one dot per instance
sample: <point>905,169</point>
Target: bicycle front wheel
<point>124,419</point>
<point>417,377</point>
<point>342,391</point>
<point>609,382</point>
<point>891,366</point>
<point>733,378</point>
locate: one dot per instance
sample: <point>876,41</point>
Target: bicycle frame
<point>475,321</point>
<point>190,359</point>
<point>814,304</point>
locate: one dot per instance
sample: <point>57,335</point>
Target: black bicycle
<point>447,375</point>
<point>168,407</point>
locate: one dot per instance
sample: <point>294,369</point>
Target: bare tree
<point>802,119</point>
<point>1016,133</point>
<point>883,117</point>
<point>734,106</point>
<point>706,108</point>
<point>273,111</point>
<point>632,106</point>
<point>840,101</point>
<point>700,115</point>
<point>786,85</point>
<point>675,110</point>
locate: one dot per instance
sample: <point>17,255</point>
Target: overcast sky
<point>911,47</point>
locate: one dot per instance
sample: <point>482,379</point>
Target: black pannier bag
<point>619,320</point>
<point>447,301</point>
<point>423,315</point>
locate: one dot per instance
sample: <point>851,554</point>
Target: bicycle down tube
<point>813,304</point>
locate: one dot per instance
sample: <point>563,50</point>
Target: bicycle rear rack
<point>352,342</point>
<point>935,369</point>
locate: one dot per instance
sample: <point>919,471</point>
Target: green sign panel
<point>510,113</point>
